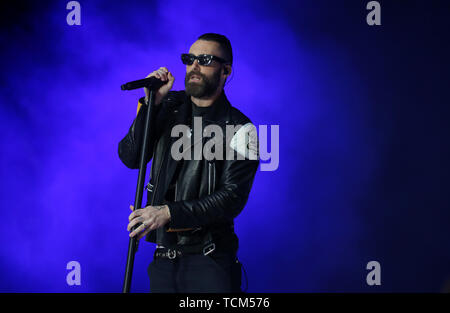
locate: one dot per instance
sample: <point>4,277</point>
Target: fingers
<point>171,78</point>
<point>166,76</point>
<point>149,217</point>
<point>163,74</point>
<point>135,221</point>
<point>160,73</point>
<point>138,216</point>
<point>141,228</point>
<point>135,214</point>
<point>144,233</point>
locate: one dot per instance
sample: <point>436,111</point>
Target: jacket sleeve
<point>224,204</point>
<point>130,146</point>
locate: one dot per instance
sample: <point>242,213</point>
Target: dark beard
<point>205,88</point>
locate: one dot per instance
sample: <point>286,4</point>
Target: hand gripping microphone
<point>151,83</point>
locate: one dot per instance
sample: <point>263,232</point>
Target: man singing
<point>192,201</point>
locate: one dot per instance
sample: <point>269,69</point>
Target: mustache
<point>192,73</point>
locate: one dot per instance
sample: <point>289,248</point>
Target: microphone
<point>151,83</point>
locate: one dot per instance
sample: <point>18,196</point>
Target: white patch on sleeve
<point>245,142</point>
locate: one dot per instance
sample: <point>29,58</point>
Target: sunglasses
<point>203,59</point>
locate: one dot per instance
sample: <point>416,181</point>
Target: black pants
<point>215,273</point>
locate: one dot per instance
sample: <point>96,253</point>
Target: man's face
<point>203,81</point>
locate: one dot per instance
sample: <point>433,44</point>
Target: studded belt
<point>174,253</point>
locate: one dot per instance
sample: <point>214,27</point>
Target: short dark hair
<point>224,43</point>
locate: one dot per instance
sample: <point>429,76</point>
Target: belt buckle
<point>209,248</point>
<point>171,254</point>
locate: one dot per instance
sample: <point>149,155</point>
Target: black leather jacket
<point>208,194</point>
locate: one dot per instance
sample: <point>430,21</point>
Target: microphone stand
<point>133,242</point>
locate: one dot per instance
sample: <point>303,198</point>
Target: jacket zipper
<point>211,177</point>
<point>157,178</point>
<point>214,177</point>
<point>176,187</point>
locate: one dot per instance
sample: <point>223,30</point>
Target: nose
<point>196,66</point>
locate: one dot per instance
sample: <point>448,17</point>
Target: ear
<point>227,69</point>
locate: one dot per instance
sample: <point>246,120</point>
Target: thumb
<point>171,79</point>
<point>131,207</point>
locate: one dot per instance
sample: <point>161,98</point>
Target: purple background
<point>363,115</point>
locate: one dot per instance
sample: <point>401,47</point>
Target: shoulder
<point>237,117</point>
<point>245,139</point>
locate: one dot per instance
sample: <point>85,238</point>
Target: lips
<point>195,78</point>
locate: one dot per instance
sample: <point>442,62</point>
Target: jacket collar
<point>220,112</point>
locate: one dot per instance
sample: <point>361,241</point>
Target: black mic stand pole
<point>133,242</point>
